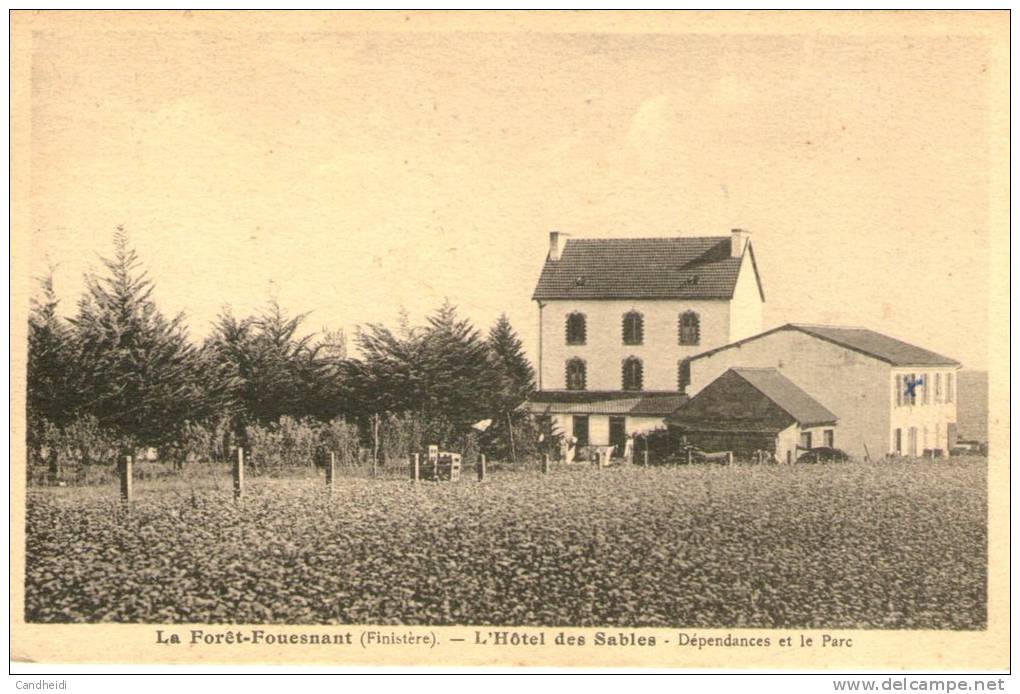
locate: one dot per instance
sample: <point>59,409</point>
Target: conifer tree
<point>139,370</point>
<point>266,370</point>
<point>51,384</point>
<point>455,367</point>
<point>514,373</point>
<point>513,381</point>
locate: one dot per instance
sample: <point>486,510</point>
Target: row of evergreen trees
<point>120,362</point>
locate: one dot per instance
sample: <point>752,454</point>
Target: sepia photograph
<point>663,339</point>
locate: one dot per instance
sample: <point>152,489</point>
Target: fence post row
<point>239,473</point>
<point>124,468</point>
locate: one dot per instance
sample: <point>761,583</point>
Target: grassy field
<point>898,545</point>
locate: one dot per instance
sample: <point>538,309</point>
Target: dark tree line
<point>123,367</point>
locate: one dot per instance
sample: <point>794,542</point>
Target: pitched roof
<point>867,342</point>
<point>694,267</point>
<point>750,400</point>
<point>896,352</point>
<point>645,404</point>
<point>782,391</point>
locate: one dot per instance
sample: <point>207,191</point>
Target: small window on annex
<point>683,376</point>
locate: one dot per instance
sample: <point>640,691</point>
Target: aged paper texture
<point>654,339</point>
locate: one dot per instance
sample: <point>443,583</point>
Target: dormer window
<point>577,329</point>
<point>633,374</point>
<point>633,328</point>
<point>576,374</point>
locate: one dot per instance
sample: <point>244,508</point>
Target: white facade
<point>923,420</point>
<point>598,426</point>
<point>745,308</point>
<point>858,388</point>
<point>604,351</point>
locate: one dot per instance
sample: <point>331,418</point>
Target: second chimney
<point>555,247</point>
<point>738,242</point>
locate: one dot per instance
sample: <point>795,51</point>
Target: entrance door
<point>618,435</point>
<point>912,442</point>
<point>581,429</point>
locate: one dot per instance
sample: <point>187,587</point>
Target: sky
<point>351,173</point>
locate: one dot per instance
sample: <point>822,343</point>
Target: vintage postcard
<point>599,339</point>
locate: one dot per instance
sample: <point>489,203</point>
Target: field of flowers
<point>885,545</point>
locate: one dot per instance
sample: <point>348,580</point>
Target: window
<point>632,373</point>
<point>898,441</point>
<point>938,387</point>
<point>898,388</point>
<point>805,439</point>
<point>633,328</point>
<point>577,330</point>
<point>576,374</point>
<point>683,377</point>
<point>924,388</point>
<point>690,328</point>
<point>949,387</point>
<point>910,390</point>
<point>829,437</point>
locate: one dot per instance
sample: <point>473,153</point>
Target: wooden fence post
<point>124,468</point>
<point>331,471</point>
<point>729,457</point>
<point>644,456</point>
<point>415,467</point>
<point>54,463</point>
<point>481,467</point>
<point>239,473</point>
<point>688,456</point>
<point>545,464</point>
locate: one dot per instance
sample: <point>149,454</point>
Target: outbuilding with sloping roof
<point>748,409</point>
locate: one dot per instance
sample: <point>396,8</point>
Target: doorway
<point>618,435</point>
<point>912,442</point>
<point>581,429</point>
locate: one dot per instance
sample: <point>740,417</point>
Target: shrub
<point>342,437</point>
<point>287,443</point>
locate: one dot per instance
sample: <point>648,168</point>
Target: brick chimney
<point>555,245</point>
<point>738,242</point>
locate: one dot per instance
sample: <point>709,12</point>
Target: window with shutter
<point>689,328</point>
<point>632,374</point>
<point>576,374</point>
<point>633,328</point>
<point>577,329</point>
